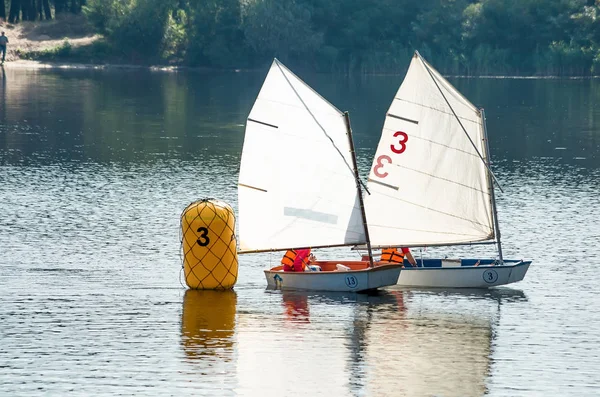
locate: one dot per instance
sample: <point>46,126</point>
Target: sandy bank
<point>26,37</point>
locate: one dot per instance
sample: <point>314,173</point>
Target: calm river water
<point>96,167</point>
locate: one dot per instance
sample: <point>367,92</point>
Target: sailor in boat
<point>395,255</point>
<point>299,261</point>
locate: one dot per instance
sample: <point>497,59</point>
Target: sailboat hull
<point>359,278</point>
<point>444,273</point>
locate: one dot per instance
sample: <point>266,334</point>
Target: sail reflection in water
<point>208,335</point>
<point>433,350</point>
<point>400,343</point>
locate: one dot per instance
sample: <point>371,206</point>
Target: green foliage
<point>570,58</point>
<point>104,14</point>
<point>487,60</point>
<point>142,29</point>
<point>280,28</point>
<point>136,27</point>
<point>596,62</point>
<point>175,37</point>
<point>215,34</point>
<point>439,24</point>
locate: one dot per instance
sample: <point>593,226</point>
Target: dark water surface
<point>96,167</point>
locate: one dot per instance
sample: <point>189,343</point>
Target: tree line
<point>472,37</point>
<point>34,10</point>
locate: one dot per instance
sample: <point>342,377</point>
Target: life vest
<point>291,262</point>
<point>288,258</point>
<point>392,255</point>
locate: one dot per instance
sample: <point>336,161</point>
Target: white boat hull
<point>339,281</point>
<point>482,276</point>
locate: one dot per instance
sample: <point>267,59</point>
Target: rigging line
<point>458,119</point>
<point>317,121</point>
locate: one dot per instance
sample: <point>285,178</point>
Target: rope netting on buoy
<point>209,245</point>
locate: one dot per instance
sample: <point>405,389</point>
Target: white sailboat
<point>299,188</point>
<point>430,184</point>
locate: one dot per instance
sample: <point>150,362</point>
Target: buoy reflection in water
<point>208,324</point>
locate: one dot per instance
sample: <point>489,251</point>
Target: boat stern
<point>384,276</point>
<point>518,272</point>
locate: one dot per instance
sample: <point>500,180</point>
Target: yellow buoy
<point>209,246</point>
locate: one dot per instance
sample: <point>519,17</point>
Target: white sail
<point>428,183</point>
<point>296,185</point>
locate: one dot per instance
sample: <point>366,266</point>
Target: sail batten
<point>383,184</point>
<point>442,194</point>
<point>263,123</point>
<point>296,186</point>
<point>251,187</point>
<point>403,118</point>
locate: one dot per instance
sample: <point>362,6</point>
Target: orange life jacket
<point>289,261</point>
<point>392,255</point>
<point>288,258</point>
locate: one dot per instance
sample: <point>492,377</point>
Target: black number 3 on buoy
<point>203,240</point>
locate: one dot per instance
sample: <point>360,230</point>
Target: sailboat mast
<point>491,185</point>
<point>359,190</point>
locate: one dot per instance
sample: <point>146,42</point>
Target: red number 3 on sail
<point>380,165</point>
<point>402,142</point>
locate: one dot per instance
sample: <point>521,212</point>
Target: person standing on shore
<point>3,43</point>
